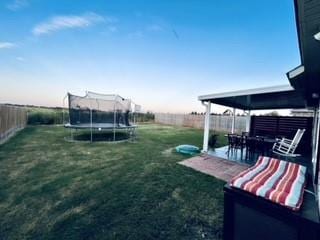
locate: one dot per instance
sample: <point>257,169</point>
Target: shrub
<point>46,116</point>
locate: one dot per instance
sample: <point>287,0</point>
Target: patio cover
<point>276,97</point>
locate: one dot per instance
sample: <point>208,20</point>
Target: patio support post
<point>315,135</point>
<point>248,121</point>
<point>206,126</point>
<point>233,120</point>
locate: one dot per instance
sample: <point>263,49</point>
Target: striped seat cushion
<point>278,181</point>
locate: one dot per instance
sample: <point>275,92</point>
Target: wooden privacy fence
<point>12,119</point>
<point>217,122</point>
<point>283,126</point>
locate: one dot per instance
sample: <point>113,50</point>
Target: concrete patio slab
<point>214,166</point>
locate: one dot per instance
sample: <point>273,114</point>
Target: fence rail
<point>12,119</point>
<point>217,122</point>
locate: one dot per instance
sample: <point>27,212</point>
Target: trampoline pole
<point>114,123</point>
<point>91,123</point>
<point>63,108</point>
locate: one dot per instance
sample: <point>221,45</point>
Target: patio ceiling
<point>277,97</point>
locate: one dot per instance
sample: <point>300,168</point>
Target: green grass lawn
<point>53,189</point>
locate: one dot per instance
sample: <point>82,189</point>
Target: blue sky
<point>162,54</point>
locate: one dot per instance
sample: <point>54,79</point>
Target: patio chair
<point>250,147</point>
<point>286,147</point>
<point>235,142</point>
<point>254,146</point>
<point>240,143</point>
<point>231,142</point>
<point>260,145</point>
<point>245,134</point>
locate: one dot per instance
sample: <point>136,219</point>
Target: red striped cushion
<point>279,181</point>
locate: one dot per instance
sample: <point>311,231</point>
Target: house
<point>302,113</point>
<point>245,216</point>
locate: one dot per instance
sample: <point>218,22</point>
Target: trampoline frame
<point>130,130</point>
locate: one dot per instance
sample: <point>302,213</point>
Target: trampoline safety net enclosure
<point>102,112</point>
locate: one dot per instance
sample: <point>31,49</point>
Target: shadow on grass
<point>101,136</point>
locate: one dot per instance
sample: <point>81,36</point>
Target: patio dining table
<point>266,139</point>
<point>262,143</point>
<point>263,138</point>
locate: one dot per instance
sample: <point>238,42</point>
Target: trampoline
<point>101,112</point>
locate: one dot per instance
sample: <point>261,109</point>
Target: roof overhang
<point>276,97</point>
<point>308,29</point>
<point>304,79</point>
